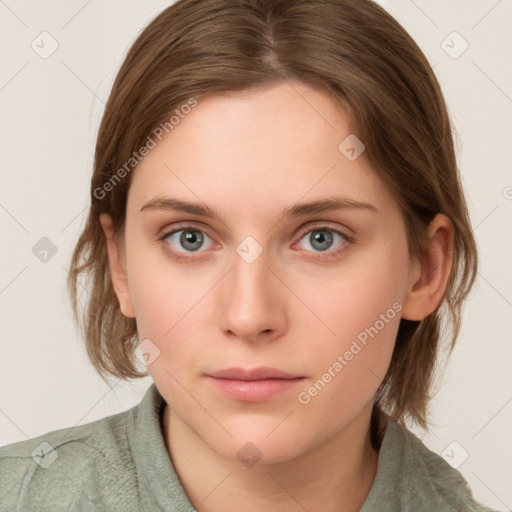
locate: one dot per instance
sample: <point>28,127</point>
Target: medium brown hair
<point>351,49</point>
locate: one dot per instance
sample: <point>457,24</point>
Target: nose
<point>254,307</point>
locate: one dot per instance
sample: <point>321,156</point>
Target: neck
<point>338,473</point>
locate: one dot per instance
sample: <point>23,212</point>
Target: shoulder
<point>431,481</point>
<point>73,468</point>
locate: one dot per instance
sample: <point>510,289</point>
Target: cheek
<point>352,297</point>
<point>360,308</point>
<point>169,302</point>
<point>162,292</point>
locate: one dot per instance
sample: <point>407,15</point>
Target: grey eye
<point>191,240</point>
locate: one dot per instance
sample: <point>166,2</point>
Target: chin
<point>258,445</point>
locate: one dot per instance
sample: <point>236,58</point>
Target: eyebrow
<point>295,210</point>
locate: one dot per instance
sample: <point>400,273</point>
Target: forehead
<point>251,151</point>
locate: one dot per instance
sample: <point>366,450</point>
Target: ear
<point>116,265</point>
<point>428,279</point>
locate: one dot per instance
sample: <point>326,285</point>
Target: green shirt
<point>120,463</point>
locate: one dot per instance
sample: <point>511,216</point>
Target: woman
<point>277,230</point>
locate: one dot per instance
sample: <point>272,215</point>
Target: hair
<point>365,60</point>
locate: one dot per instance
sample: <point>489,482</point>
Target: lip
<point>259,373</point>
<point>253,385</point>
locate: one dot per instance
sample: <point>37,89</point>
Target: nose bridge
<point>251,295</point>
<point>251,276</point>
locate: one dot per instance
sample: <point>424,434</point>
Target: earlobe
<point>429,279</point>
<point>116,267</point>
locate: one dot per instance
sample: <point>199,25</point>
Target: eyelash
<point>330,254</point>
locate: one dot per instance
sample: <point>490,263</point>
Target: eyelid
<point>302,231</point>
<point>165,232</point>
<point>328,226</point>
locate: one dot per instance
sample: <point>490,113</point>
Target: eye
<point>322,238</point>
<point>181,243</point>
<point>186,239</point>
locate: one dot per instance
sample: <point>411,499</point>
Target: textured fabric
<point>120,463</point>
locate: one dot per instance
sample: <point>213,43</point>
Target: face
<point>315,293</point>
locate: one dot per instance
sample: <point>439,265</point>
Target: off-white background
<point>50,113</point>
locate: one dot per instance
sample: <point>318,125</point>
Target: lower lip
<point>254,390</point>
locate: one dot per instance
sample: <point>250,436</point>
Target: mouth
<point>260,373</point>
<point>253,385</point>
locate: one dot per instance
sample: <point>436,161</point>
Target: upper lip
<point>260,373</point>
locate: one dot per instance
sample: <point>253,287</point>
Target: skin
<point>295,307</point>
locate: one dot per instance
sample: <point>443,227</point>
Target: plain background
<point>50,112</point>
